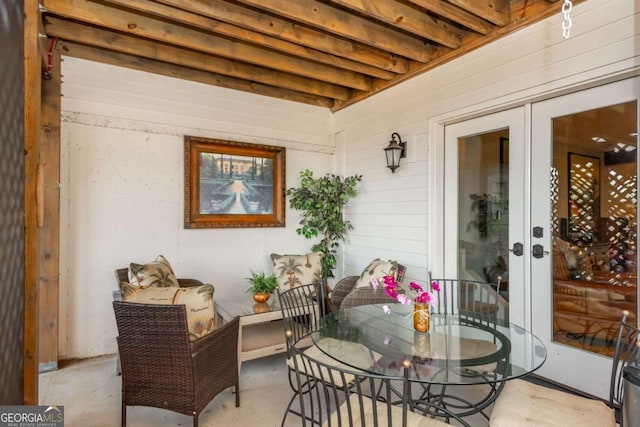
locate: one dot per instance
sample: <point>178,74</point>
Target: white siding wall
<point>122,187</point>
<point>399,216</point>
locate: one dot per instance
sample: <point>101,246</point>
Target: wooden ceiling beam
<point>456,14</point>
<point>496,11</point>
<point>287,30</point>
<point>162,31</point>
<point>407,18</point>
<point>171,70</point>
<point>239,33</point>
<point>340,22</point>
<point>131,45</point>
<point>525,12</point>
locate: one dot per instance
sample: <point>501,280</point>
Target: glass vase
<point>421,317</point>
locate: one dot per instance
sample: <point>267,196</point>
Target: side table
<point>261,330</point>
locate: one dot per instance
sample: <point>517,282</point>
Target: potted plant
<point>261,285</point>
<point>321,201</point>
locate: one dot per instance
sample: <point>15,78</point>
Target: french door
<point>543,199</point>
<point>484,205</point>
<point>584,196</point>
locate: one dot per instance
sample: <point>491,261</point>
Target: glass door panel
<point>483,200</point>
<point>594,225</point>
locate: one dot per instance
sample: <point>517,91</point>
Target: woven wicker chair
<point>162,369</point>
<point>122,275</point>
<point>345,294</point>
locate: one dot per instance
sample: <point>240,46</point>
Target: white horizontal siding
<point>533,63</point>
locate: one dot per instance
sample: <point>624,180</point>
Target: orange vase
<point>421,317</point>
<point>261,297</point>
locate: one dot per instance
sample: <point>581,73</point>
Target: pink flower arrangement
<point>421,296</point>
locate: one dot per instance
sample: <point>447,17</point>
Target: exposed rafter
<point>329,53</point>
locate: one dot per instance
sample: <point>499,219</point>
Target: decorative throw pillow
<point>295,270</point>
<point>378,269</point>
<point>157,273</point>
<point>198,301</point>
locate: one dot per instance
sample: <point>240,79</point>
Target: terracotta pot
<point>261,297</point>
<point>421,317</point>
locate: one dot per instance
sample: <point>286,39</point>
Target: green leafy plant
<point>262,283</point>
<point>321,201</point>
<point>480,206</point>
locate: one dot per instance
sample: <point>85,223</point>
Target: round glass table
<point>457,350</point>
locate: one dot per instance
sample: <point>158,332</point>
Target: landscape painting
<point>233,184</point>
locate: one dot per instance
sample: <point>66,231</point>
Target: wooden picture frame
<point>233,184</point>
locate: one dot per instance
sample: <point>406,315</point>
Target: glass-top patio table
<point>458,349</point>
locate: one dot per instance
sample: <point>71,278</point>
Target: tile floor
<point>90,392</point>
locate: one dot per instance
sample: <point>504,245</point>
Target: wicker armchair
<point>345,295</point>
<point>162,369</point>
<point>122,275</point>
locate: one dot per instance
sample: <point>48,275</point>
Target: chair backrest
<point>331,395</point>
<point>627,351</point>
<point>300,312</point>
<point>150,335</point>
<point>479,301</point>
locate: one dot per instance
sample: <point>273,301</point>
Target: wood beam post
<point>49,211</point>
<point>32,70</point>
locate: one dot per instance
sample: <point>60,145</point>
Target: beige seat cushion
<point>413,419</point>
<point>357,355</point>
<point>424,345</point>
<point>198,301</point>
<point>155,273</point>
<point>522,403</point>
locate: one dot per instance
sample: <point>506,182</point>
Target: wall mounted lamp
<point>396,150</point>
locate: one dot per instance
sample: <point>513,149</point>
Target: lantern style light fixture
<point>396,150</point>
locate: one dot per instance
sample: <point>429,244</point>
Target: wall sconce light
<point>396,150</point>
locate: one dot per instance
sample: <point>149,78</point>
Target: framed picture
<point>233,184</point>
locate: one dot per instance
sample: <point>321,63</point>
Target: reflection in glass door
<point>594,225</point>
<point>483,201</point>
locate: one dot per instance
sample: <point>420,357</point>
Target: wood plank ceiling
<point>330,53</point>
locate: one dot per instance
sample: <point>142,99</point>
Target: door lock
<point>518,249</point>
<point>538,232</point>
<point>538,251</point>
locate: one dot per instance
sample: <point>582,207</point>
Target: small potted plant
<point>261,286</point>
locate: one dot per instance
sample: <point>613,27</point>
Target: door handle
<point>518,249</point>
<point>538,251</point>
